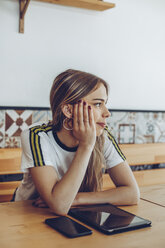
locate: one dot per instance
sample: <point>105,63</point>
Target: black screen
<point>108,217</point>
<point>68,227</point>
<point>109,220</point>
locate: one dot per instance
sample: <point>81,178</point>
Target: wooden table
<point>154,194</point>
<point>22,226</point>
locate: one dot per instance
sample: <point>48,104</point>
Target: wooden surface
<point>150,177</point>
<point>136,154</point>
<point>143,178</point>
<point>140,154</point>
<point>22,226</point>
<point>10,160</point>
<point>154,194</point>
<point>7,190</point>
<point>87,4</point>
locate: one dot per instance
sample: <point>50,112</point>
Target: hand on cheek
<point>84,129</point>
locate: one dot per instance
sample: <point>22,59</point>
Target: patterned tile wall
<point>127,127</point>
<point>137,127</point>
<point>13,121</point>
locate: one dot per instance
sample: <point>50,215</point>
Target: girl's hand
<point>39,203</point>
<point>84,128</point>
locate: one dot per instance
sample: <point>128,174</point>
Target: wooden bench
<point>143,154</point>
<point>136,154</point>
<point>10,160</point>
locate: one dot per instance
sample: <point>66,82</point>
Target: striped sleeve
<point>112,139</point>
<point>35,144</point>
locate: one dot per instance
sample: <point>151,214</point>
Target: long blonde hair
<point>69,87</point>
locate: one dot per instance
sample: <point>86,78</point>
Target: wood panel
<point>10,161</point>
<point>140,154</point>
<point>7,190</point>
<point>154,194</point>
<point>22,226</point>
<point>143,178</point>
<point>86,4</point>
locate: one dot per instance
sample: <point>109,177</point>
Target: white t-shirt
<point>42,147</point>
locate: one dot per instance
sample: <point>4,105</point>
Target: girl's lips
<point>101,124</point>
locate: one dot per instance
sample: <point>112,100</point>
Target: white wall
<point>124,45</point>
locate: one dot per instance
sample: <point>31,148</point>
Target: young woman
<point>63,160</point>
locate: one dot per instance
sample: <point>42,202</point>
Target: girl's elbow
<point>135,200</point>
<point>59,212</point>
<point>59,209</point>
<point>135,196</point>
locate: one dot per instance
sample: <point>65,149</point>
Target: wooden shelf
<point>85,4</point>
<point>98,5</point>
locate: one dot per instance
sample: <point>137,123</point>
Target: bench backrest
<point>141,154</point>
<point>10,159</point>
<point>136,154</point>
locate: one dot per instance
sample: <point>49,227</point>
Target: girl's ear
<point>67,110</point>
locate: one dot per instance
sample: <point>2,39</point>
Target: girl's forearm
<point>65,191</point>
<point>124,195</point>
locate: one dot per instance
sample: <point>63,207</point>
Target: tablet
<point>108,219</point>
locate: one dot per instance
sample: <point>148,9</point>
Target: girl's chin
<point>99,132</point>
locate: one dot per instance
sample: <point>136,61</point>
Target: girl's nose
<point>107,113</point>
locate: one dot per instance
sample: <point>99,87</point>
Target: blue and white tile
<point>126,133</point>
<point>49,115</point>
<point>39,116</point>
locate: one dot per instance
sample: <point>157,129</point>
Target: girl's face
<point>97,100</point>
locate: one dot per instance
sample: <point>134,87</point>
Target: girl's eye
<point>98,104</point>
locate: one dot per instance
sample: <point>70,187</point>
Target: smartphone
<point>68,227</point>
